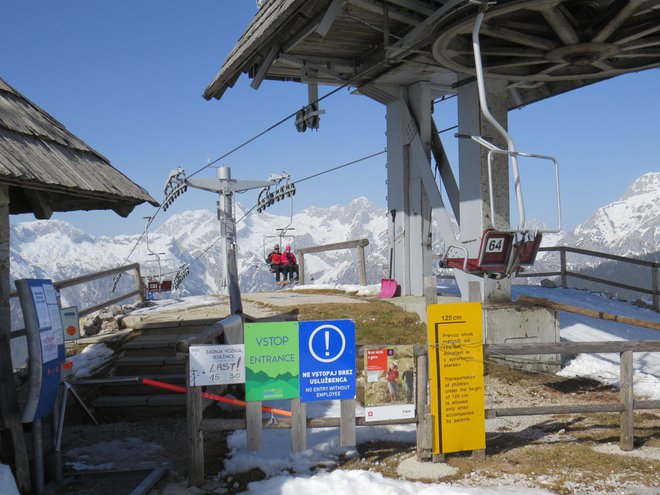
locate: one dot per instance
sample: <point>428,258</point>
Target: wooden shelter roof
<point>540,47</point>
<point>49,169</point>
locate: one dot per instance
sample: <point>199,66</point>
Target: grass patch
<point>376,322</point>
<point>556,466</point>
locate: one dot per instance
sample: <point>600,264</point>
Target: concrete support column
<point>411,190</point>
<point>474,188</point>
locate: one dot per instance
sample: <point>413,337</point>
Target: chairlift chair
<point>158,274</point>
<point>503,250</point>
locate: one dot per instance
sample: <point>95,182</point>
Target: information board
<point>327,360</point>
<point>457,377</point>
<point>271,361</point>
<point>45,338</point>
<point>389,390</point>
<point>217,364</point>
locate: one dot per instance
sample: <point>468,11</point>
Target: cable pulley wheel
<point>528,42</point>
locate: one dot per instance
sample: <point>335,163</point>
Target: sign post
<point>271,367</point>
<point>327,360</point>
<point>389,390</point>
<point>45,338</point>
<point>456,373</point>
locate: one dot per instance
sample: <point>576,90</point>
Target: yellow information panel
<point>456,370</point>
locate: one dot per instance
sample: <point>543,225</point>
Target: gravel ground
<point>141,443</point>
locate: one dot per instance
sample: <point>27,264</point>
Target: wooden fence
<point>347,422</point>
<point>358,244</point>
<point>72,282</point>
<point>565,272</point>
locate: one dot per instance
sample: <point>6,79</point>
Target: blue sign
<point>45,337</point>
<point>327,360</point>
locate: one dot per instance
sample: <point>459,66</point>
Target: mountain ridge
<point>629,226</point>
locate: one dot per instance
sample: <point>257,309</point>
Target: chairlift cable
<point>257,136</point>
<point>301,180</point>
<point>341,166</point>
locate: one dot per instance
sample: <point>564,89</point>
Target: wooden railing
<point>298,422</point>
<point>72,282</point>
<point>358,244</point>
<point>564,272</point>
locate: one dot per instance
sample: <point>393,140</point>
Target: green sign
<point>271,361</point>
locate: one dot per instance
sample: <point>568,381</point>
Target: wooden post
<point>12,442</point>
<point>255,427</point>
<point>654,286</point>
<point>298,425</point>
<point>562,264</point>
<point>424,420</point>
<point>195,434</point>
<point>139,284</point>
<point>362,266</point>
<point>627,399</point>
<point>301,268</point>
<point>347,435</point>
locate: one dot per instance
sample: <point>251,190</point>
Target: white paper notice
<point>217,364</point>
<point>41,306</point>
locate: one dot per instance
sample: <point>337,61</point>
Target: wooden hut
<point>43,168</point>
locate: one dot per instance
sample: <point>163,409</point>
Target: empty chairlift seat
<point>500,254</point>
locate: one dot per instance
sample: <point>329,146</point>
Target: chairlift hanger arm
<point>231,185</point>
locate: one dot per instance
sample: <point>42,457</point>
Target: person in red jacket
<point>274,260</point>
<point>289,265</point>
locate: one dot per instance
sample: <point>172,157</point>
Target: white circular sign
<point>329,358</point>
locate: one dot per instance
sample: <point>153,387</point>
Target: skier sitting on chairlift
<point>289,265</point>
<point>274,260</point>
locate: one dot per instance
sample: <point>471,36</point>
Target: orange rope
<point>218,398</point>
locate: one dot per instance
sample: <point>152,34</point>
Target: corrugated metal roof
<point>38,156</point>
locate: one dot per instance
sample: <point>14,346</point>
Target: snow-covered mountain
<point>57,250</point>
<point>629,226</point>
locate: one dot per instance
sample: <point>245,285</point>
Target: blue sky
<point>127,77</point>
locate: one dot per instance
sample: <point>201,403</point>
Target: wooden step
<point>150,365</point>
<point>137,388</point>
<point>159,400</point>
<point>140,406</point>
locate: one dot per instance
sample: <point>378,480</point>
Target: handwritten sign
<point>217,364</point>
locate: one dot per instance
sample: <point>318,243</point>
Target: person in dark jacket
<point>408,378</point>
<point>274,261</point>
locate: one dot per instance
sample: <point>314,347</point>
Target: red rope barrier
<point>215,397</point>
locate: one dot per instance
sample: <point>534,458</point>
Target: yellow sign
<point>456,370</point>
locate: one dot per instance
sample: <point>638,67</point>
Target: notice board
<point>456,371</point>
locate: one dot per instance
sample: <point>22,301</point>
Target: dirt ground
<point>520,450</point>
